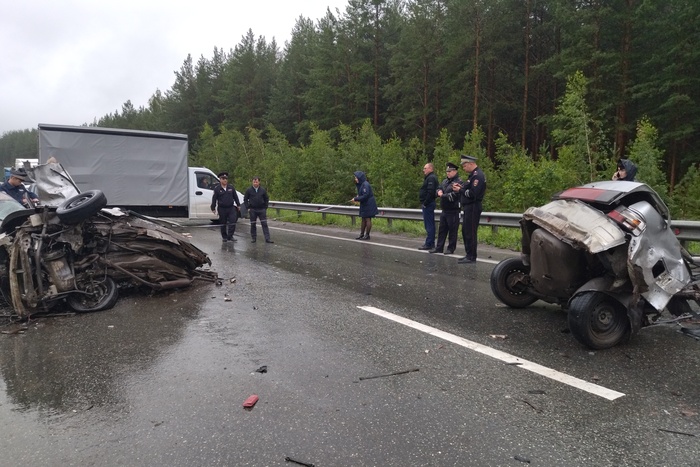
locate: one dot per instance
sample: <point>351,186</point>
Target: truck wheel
<point>78,208</point>
<point>509,283</point>
<point>100,295</point>
<point>598,320</point>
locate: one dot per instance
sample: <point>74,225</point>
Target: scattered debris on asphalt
<point>676,432</point>
<point>262,369</point>
<point>362,378</point>
<point>251,401</point>
<point>294,461</point>
<point>536,409</point>
<point>521,459</point>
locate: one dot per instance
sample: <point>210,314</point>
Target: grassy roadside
<point>501,237</point>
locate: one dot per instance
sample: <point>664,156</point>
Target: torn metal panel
<point>577,224</point>
<point>657,254</point>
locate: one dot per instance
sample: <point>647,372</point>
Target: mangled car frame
<point>71,250</point>
<point>606,253</point>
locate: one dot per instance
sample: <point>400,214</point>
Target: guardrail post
<point>352,220</point>
<point>299,214</point>
<point>323,216</point>
<point>388,221</point>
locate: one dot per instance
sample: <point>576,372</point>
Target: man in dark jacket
<point>256,200</point>
<point>426,195</point>
<point>225,197</point>
<point>449,216</point>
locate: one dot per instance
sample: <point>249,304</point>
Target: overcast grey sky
<point>69,62</point>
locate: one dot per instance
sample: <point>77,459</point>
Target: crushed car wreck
<point>606,253</point>
<point>69,250</point>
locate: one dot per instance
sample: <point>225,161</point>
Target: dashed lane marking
<point>594,389</point>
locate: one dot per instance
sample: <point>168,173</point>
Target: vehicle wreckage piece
<point>79,254</point>
<point>606,253</point>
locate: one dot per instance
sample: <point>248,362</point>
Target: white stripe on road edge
<point>497,354</point>
<point>396,247</point>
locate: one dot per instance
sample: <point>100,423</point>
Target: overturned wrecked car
<point>606,253</point>
<point>73,251</point>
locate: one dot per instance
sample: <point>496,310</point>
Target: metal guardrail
<point>686,231</point>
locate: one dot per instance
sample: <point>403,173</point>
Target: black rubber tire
<point>80,207</point>
<point>598,321</point>
<point>506,283</point>
<point>103,296</point>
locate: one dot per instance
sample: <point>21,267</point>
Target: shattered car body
<point>606,253</point>
<point>71,251</point>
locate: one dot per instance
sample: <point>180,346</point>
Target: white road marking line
<point>595,389</point>
<point>415,250</point>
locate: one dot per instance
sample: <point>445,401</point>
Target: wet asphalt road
<point>160,380</point>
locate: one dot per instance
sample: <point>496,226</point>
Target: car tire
<point>508,283</point>
<point>80,207</point>
<point>598,320</point>
<point>102,295</point>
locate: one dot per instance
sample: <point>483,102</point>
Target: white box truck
<point>144,171</point>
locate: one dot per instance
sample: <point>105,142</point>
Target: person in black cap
<point>471,195</point>
<point>449,215</point>
<point>426,196</point>
<point>14,187</point>
<point>225,197</point>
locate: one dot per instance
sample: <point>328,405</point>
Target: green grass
<point>501,237</point>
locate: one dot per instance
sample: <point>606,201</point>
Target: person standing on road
<point>368,205</point>
<point>256,200</point>
<point>223,200</point>
<point>14,187</point>
<point>426,195</point>
<point>449,216</point>
<point>471,195</point>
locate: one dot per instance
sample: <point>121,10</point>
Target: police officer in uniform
<point>14,187</point>
<point>472,194</point>
<point>449,215</point>
<point>223,200</point>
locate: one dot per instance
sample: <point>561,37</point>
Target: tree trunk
<point>526,78</point>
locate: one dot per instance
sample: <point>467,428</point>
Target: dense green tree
<point>180,104</point>
<point>555,85</point>
<point>645,153</point>
<point>249,75</point>
<point>18,144</point>
<point>667,83</point>
<point>287,109</point>
<point>416,88</point>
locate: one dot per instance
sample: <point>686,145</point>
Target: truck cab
<point>202,182</point>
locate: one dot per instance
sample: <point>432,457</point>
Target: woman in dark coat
<point>368,205</point>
